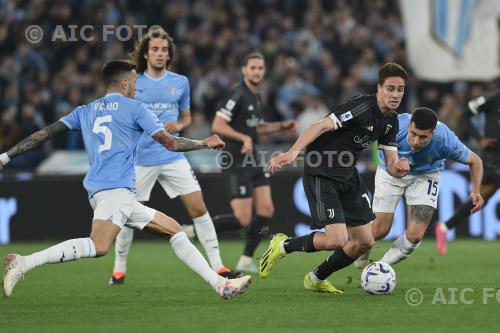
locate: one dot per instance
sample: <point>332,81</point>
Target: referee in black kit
<point>239,121</point>
<point>338,200</point>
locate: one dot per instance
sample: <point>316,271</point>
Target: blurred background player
<point>240,120</point>
<point>166,94</point>
<point>111,128</point>
<point>489,105</point>
<point>426,143</point>
<point>337,197</point>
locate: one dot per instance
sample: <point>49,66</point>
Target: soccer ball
<point>378,278</point>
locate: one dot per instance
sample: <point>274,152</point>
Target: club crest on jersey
<point>173,90</point>
<point>346,116</point>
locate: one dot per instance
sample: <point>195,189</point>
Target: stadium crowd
<point>318,54</point>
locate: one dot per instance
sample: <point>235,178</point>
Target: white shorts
<point>418,190</point>
<point>121,208</point>
<point>176,178</point>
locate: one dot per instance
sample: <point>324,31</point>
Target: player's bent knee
<point>366,244</point>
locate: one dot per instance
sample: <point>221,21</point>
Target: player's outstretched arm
<point>181,144</point>
<point>476,176</point>
<point>396,167</point>
<point>33,141</point>
<point>269,128</point>
<point>309,135</point>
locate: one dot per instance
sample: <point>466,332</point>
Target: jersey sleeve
<point>389,141</point>
<point>148,121</point>
<point>72,120</point>
<point>228,106</point>
<point>185,99</point>
<point>342,116</point>
<point>453,148</point>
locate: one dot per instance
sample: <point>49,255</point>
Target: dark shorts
<point>241,181</point>
<point>491,169</point>
<point>332,201</point>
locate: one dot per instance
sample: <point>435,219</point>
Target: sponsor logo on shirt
<point>364,141</point>
<point>161,106</point>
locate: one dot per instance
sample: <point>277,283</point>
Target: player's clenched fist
<point>214,142</point>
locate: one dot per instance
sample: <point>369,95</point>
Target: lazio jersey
<point>165,96</point>
<point>443,145</point>
<point>111,127</point>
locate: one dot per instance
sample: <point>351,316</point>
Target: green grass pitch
<point>461,293</point>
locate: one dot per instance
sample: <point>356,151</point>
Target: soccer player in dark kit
<point>239,121</point>
<point>338,199</point>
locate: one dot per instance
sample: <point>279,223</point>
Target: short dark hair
<point>424,118</point>
<point>113,69</point>
<point>142,48</point>
<point>253,55</point>
<point>391,69</point>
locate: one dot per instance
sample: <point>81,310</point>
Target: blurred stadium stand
<point>318,53</point>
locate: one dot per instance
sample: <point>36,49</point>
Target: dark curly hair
<point>142,47</point>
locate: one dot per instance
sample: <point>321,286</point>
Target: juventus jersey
<point>359,122</point>
<point>242,109</point>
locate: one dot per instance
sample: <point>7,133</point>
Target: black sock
<point>258,229</point>
<point>338,260</point>
<point>460,215</point>
<point>302,244</point>
<point>225,222</point>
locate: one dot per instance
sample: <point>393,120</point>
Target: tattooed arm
<point>181,144</point>
<point>33,141</point>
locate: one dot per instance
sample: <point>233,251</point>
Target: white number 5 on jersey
<point>99,128</point>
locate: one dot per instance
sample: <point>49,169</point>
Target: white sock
<point>244,260</point>
<point>122,246</point>
<point>205,231</point>
<point>400,250</point>
<point>190,255</point>
<point>69,250</point>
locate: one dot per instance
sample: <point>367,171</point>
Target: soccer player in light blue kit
<point>166,94</point>
<point>111,127</point>
<point>426,143</point>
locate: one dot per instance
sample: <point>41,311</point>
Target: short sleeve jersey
<point>242,109</point>
<point>111,127</point>
<point>358,122</point>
